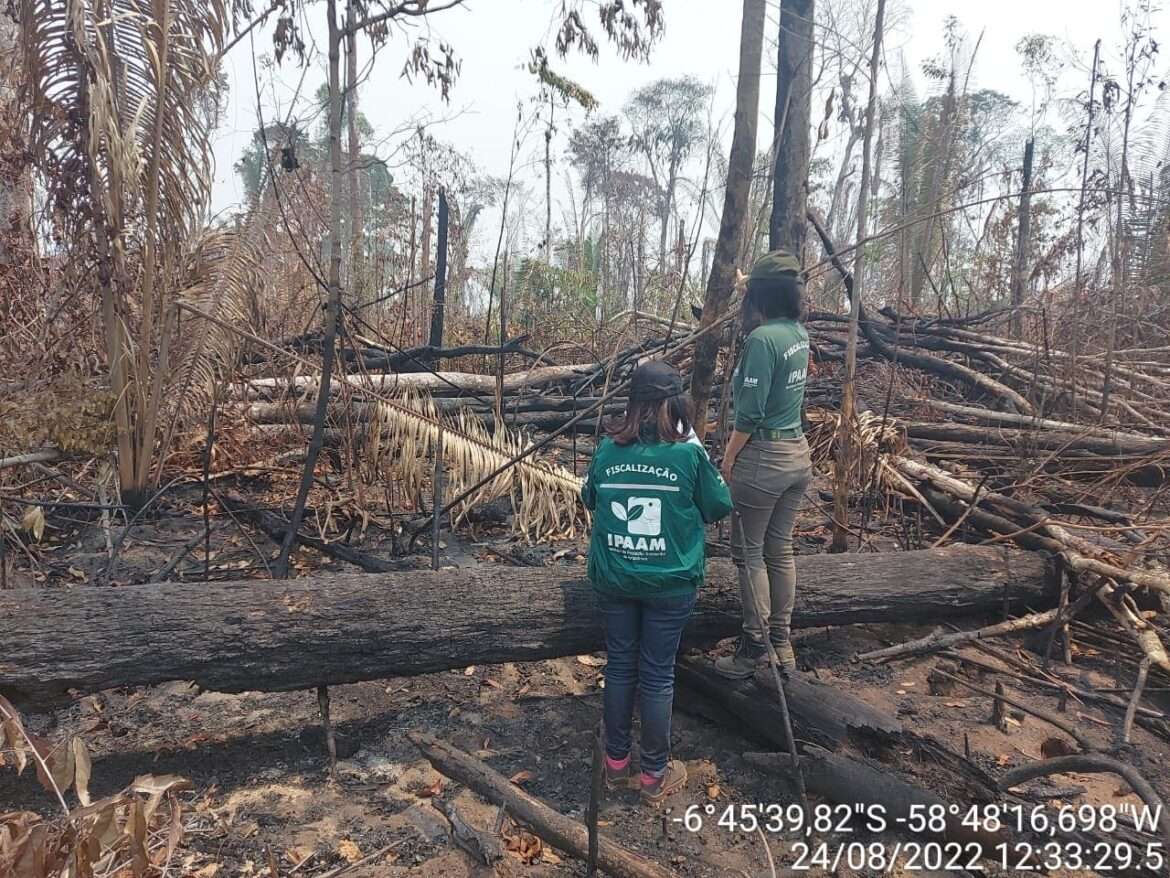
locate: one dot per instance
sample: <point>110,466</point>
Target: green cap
<point>775,265</point>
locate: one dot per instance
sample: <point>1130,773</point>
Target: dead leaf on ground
<point>591,661</point>
<point>522,777</point>
<point>469,670</point>
<point>524,845</point>
<point>62,767</point>
<point>158,784</point>
<point>298,854</point>
<point>208,871</point>
<point>33,522</point>
<point>430,792</point>
<point>83,768</point>
<point>350,851</point>
<point>713,791</point>
<point>175,833</point>
<point>488,681</point>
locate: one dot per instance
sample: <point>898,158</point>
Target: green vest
<point>650,501</point>
<point>769,380</point>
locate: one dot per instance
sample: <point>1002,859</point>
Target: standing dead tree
<point>1023,241</point>
<point>333,300</point>
<point>735,203</point>
<point>845,427</point>
<point>792,119</point>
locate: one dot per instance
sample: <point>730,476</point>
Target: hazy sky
<point>493,38</point>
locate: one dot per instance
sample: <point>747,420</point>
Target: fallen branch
<point>1013,437</point>
<point>1078,554</point>
<point>937,641</point>
<point>276,527</point>
<point>934,365</point>
<point>432,382</point>
<point>560,831</point>
<point>1093,763</point>
<point>45,455</point>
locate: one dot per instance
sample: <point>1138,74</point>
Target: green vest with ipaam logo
<point>650,501</point>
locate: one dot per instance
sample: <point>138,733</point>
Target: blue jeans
<point>641,638</point>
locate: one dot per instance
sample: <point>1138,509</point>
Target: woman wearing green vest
<point>767,461</point>
<point>651,490</point>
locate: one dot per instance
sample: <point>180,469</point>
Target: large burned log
<point>341,628</point>
<point>430,382</point>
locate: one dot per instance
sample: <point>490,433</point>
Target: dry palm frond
<point>120,88</point>
<point>406,433</point>
<point>223,279</point>
<point>873,435</point>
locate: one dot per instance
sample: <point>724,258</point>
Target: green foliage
<point>566,88</point>
<point>544,295</point>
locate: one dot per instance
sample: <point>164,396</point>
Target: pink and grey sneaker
<point>656,788</point>
<point>618,775</point>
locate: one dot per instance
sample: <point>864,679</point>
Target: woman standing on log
<point>651,491</point>
<point>767,461</point>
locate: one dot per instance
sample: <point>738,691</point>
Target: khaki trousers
<point>768,483</point>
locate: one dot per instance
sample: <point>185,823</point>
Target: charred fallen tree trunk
<point>833,730</point>
<point>1046,439</point>
<point>430,382</point>
<point>328,629</point>
<point>371,356</point>
<point>534,419</point>
<point>827,717</point>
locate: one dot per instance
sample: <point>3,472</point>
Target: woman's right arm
<point>756,369</point>
<point>751,397</point>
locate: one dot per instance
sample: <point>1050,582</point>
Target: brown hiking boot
<point>785,656</point>
<point>749,655</point>
<point>620,779</point>
<point>670,782</point>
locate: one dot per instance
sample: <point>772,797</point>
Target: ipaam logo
<point>642,515</point>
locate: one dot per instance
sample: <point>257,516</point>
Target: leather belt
<point>766,435</point>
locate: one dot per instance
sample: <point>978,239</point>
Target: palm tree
<point>124,96</point>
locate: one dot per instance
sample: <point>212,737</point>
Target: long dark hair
<point>776,297</point>
<point>663,420</point>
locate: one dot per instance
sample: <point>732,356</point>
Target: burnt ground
<point>261,792</point>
